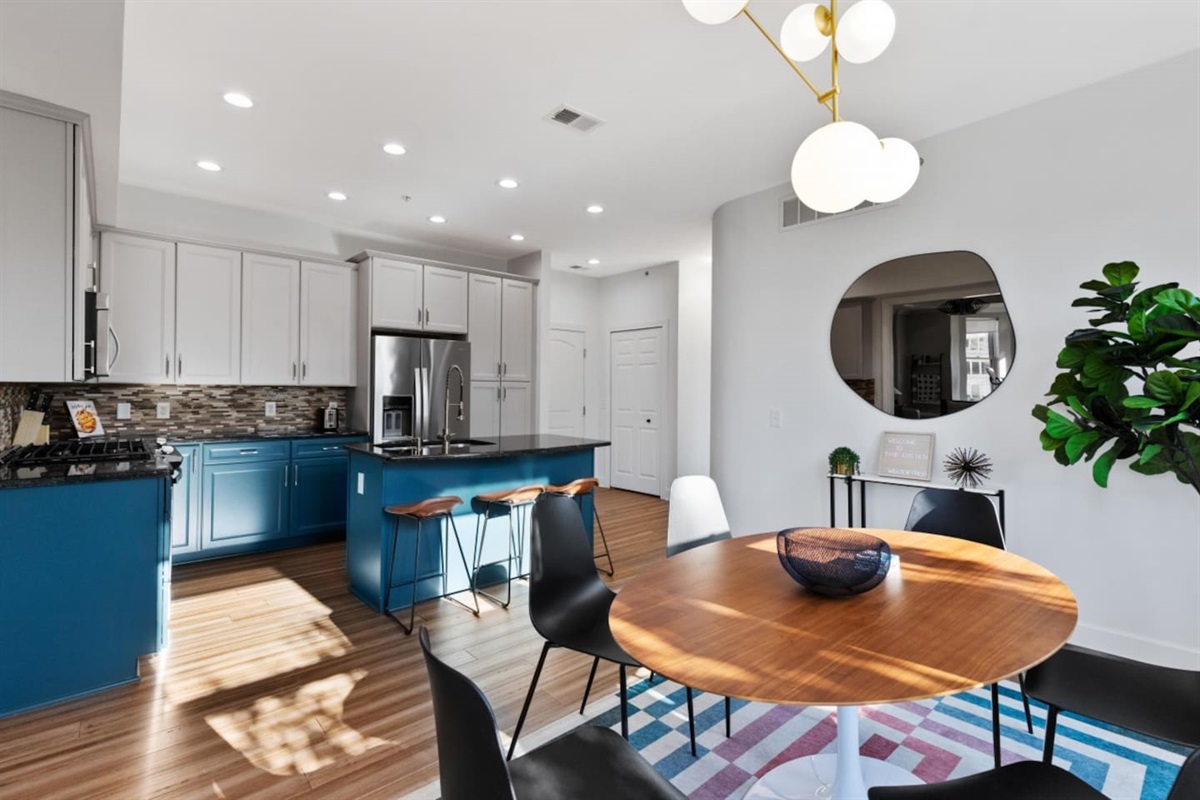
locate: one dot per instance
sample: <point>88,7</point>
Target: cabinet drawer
<point>322,447</point>
<point>227,452</point>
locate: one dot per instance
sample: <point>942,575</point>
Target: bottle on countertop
<point>330,417</point>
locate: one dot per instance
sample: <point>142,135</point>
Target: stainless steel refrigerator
<point>411,380</point>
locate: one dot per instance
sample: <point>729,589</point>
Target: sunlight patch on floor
<point>299,732</point>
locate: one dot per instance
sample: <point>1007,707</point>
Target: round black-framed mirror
<point>925,335</point>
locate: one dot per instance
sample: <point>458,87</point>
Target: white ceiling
<point>695,115</point>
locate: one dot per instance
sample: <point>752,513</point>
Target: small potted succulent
<point>843,461</point>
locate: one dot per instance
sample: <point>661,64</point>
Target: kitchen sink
<point>433,448</point>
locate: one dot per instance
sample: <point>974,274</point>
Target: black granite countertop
<point>249,435</point>
<point>60,474</point>
<point>496,447</point>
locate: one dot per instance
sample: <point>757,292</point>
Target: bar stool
<point>577,488</point>
<point>431,508</point>
<point>506,502</point>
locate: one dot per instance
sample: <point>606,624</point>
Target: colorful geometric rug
<point>935,739</point>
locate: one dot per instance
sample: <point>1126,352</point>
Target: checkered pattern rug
<point>936,739</point>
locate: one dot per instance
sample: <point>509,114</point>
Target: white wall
<point>1047,195</point>
<point>695,366</point>
<point>69,52</point>
<point>152,211</point>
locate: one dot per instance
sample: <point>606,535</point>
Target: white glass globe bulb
<point>836,166</point>
<point>800,37</point>
<point>865,31</point>
<point>714,12</point>
<point>898,171</point>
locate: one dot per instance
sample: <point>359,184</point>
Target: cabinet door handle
<point>295,475</point>
<point>497,394</point>
<point>293,370</point>
<point>497,369</point>
<point>505,372</point>
<point>303,369</point>
<point>193,458</point>
<point>167,368</point>
<point>332,447</point>
<point>285,472</point>
<point>179,370</point>
<point>427,316</point>
<point>506,393</point>
<point>248,452</point>
<point>420,314</point>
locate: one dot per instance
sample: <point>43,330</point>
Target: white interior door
<point>637,369</point>
<point>565,382</point>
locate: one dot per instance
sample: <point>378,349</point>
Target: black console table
<point>863,480</point>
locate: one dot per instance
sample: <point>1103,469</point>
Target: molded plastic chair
<point>589,762</point>
<point>1162,702</point>
<point>568,603</point>
<point>696,517</point>
<point>1031,779</point>
<point>972,517</point>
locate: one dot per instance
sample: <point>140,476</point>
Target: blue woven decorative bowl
<point>834,562</point>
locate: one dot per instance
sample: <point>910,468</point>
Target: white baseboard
<point>1142,648</point>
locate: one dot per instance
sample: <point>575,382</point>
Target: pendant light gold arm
<point>833,70</point>
<point>822,98</point>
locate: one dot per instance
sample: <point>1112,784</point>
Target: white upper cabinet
<point>445,300</point>
<point>36,252</point>
<point>516,339</point>
<point>485,328</point>
<point>270,320</point>
<point>139,276</point>
<point>516,409</point>
<point>208,314</point>
<point>396,294</point>
<point>485,409</point>
<point>326,325</point>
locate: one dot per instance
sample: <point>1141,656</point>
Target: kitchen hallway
<point>279,683</point>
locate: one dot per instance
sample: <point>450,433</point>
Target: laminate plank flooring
<point>280,684</point>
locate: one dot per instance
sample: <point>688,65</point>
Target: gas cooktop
<point>78,451</point>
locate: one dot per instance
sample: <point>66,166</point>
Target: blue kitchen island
<point>381,477</point>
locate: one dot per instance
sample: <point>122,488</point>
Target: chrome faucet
<point>461,401</point>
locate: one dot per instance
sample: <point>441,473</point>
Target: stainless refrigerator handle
<point>418,423</point>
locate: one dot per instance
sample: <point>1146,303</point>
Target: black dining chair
<point>1029,779</point>
<point>972,517</point>
<point>1163,702</point>
<point>589,762</point>
<point>568,603</point>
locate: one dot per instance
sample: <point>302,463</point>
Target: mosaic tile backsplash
<point>195,410</point>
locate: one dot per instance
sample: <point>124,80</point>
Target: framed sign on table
<point>906,455</point>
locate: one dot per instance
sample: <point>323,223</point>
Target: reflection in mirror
<point>923,336</point>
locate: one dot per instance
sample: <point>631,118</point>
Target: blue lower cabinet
<point>242,497</point>
<point>319,495</point>
<point>244,503</point>
<point>185,502</point>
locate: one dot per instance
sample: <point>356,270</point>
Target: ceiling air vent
<point>793,213</point>
<point>574,118</point>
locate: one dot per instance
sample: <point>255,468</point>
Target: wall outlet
<point>162,410</point>
<point>123,411</point>
<point>270,410</point>
<point>775,417</point>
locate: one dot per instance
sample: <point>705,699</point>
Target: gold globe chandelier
<point>843,163</point>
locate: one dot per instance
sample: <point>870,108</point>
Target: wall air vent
<point>574,118</point>
<point>793,213</point>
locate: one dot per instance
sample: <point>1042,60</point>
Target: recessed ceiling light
<point>238,99</point>
<point>209,166</point>
<point>394,149</point>
<point>507,183</point>
<point>593,261</point>
<point>437,219</point>
<point>595,209</point>
<point>339,196</point>
<point>516,237</point>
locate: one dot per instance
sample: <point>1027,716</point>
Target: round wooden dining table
<point>951,615</point>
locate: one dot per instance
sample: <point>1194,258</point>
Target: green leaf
<point>1064,384</point>
<point>1103,466</point>
<point>1162,423</point>
<point>1180,300</point>
<point>1089,302</point>
<point>1077,443</point>
<point>1191,396</point>
<point>1098,366</point>
<point>1077,407</point>
<point>1059,426</point>
<point>1071,356</point>
<point>1149,452</point>
<point>1093,286</point>
<point>1040,412</point>
<point>1120,273</point>
<point>1141,401</point>
<point>1165,385</point>
<point>1137,325</point>
<point>1146,297</point>
<point>1049,442</point>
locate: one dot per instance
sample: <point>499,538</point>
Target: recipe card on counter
<point>84,418</point>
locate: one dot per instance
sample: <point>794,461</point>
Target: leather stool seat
<point>506,503</point>
<point>575,487</point>
<point>432,507</point>
<point>513,497</point>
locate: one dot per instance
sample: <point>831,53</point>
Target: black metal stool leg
<point>596,513</point>
<point>996,723</point>
<point>481,528</point>
<point>1025,701</point>
<point>728,704</point>
<point>412,607</point>
<point>588,689</point>
<point>528,698</point>
<point>445,568</point>
<point>624,706</point>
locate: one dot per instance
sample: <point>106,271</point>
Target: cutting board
<point>29,428</point>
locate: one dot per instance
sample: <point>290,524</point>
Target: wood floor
<point>279,683</point>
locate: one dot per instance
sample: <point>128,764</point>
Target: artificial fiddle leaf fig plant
<point>1131,385</point>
